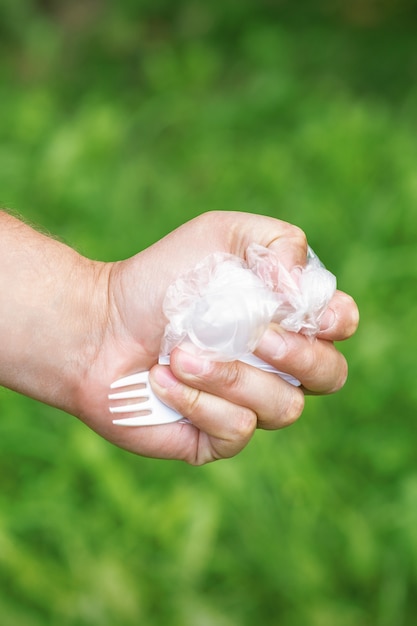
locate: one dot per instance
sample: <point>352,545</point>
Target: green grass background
<point>118,122</point>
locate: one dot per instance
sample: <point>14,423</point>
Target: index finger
<point>290,247</point>
<point>286,240</point>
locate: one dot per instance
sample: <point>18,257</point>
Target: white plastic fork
<point>150,410</point>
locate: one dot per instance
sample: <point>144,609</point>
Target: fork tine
<point>133,379</point>
<point>132,408</point>
<point>151,411</point>
<point>125,395</point>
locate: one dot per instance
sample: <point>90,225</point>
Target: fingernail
<point>272,344</point>
<point>327,319</point>
<point>191,364</point>
<point>162,376</point>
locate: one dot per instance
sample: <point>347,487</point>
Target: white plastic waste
<point>221,308</point>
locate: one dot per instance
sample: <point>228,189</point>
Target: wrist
<point>84,332</point>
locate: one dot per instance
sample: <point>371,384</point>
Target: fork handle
<point>254,361</point>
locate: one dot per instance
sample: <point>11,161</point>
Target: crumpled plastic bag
<point>221,308</point>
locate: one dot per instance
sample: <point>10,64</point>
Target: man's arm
<point>70,326</point>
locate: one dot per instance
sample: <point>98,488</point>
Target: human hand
<point>225,402</point>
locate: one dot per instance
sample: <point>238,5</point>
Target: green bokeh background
<point>118,122</point>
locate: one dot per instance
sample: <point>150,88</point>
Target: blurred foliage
<point>119,121</point>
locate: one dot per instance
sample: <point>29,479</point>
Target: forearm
<point>52,303</point>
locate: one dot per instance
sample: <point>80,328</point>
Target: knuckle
<point>310,363</point>
<point>213,219</point>
<point>198,458</point>
<point>299,234</point>
<point>231,375</point>
<point>299,237</point>
<point>245,424</point>
<point>191,401</point>
<point>295,407</point>
<point>353,321</point>
<point>341,378</point>
<point>324,375</point>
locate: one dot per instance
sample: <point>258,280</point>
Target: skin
<point>70,326</point>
